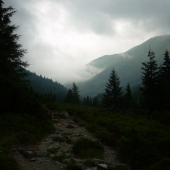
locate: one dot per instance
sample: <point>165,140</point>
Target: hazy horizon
<point>61,37</point>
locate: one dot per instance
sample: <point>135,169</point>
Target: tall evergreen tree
<point>76,96</point>
<point>73,95</point>
<point>95,101</point>
<point>164,81</point>
<point>150,83</point>
<point>69,96</point>
<point>113,97</point>
<point>128,97</point>
<point>15,96</point>
<point>11,53</point>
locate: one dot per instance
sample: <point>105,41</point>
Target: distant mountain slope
<point>46,86</point>
<point>127,65</point>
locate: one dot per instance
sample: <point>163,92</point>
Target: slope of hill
<point>127,65</point>
<point>44,85</point>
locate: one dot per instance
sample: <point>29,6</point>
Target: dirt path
<point>39,156</point>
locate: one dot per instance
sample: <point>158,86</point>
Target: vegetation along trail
<point>56,150</point>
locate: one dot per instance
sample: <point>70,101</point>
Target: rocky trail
<point>41,155</point>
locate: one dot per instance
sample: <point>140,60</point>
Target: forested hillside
<point>128,65</point>
<point>43,85</point>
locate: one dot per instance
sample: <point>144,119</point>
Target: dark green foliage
<point>22,128</point>
<point>164,164</point>
<point>150,83</point>
<point>73,95</point>
<point>86,148</point>
<point>70,126</point>
<point>48,90</point>
<point>72,167</point>
<point>11,52</point>
<point>113,97</point>
<point>140,141</point>
<point>76,96</point>
<point>128,97</point>
<point>7,163</point>
<point>69,96</point>
<point>164,82</point>
<point>89,163</point>
<point>127,67</point>
<point>52,150</point>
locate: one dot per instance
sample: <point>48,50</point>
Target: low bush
<point>7,163</point>
<point>86,148</point>
<point>21,129</point>
<point>164,164</point>
<point>72,167</point>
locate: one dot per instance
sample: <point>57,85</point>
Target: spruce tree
<point>128,97</point>
<point>69,96</point>
<point>149,87</point>
<point>14,93</point>
<point>11,53</point>
<point>164,81</point>
<point>76,96</point>
<point>113,97</point>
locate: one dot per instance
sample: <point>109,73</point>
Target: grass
<point>70,126</point>
<point>86,148</point>
<point>52,150</point>
<point>20,129</point>
<point>7,163</point>
<point>138,137</point>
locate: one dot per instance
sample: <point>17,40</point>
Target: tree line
<point>155,89</point>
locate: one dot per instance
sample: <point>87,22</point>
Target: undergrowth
<point>20,129</point>
<point>141,140</point>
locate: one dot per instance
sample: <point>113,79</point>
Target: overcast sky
<point>62,36</point>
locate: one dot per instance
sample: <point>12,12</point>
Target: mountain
<point>127,65</point>
<point>44,85</point>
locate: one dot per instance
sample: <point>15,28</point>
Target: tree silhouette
<point>128,97</point>
<point>113,97</point>
<point>11,53</point>
<point>150,83</point>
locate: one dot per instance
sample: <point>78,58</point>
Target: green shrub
<point>72,167</point>
<point>22,128</point>
<point>70,126</point>
<point>89,163</point>
<point>52,150</point>
<point>7,163</point>
<point>86,148</point>
<point>164,164</point>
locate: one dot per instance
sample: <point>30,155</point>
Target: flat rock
<point>102,166</point>
<point>42,153</point>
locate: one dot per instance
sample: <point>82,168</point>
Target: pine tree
<point>164,81</point>
<point>73,95</point>
<point>76,96</point>
<point>128,97</point>
<point>69,96</point>
<point>150,83</point>
<point>14,93</point>
<point>11,52</point>
<point>95,101</point>
<point>113,97</point>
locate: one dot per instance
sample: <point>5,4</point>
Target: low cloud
<point>62,36</point>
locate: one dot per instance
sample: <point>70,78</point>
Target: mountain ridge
<point>127,65</point>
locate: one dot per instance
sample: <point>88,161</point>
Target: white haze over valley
<point>62,36</point>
